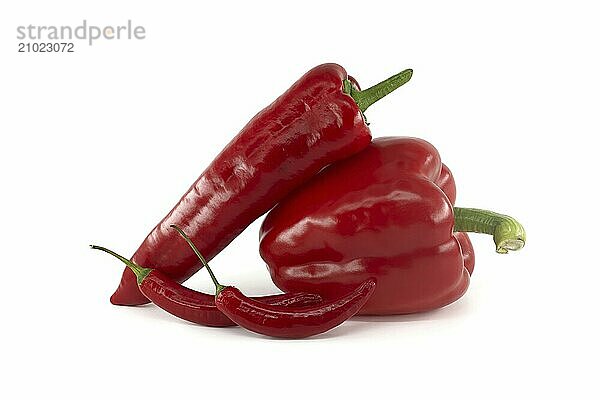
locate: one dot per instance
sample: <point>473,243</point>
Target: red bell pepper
<point>316,122</point>
<point>385,213</point>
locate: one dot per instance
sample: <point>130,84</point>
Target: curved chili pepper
<point>194,306</point>
<point>387,213</point>
<point>282,322</point>
<point>316,122</point>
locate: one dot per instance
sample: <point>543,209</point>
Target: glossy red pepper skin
<point>282,322</point>
<point>385,213</point>
<point>200,308</point>
<point>313,124</point>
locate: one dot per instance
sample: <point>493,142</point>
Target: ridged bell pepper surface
<point>385,213</point>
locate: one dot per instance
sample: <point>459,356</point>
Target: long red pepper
<point>283,322</point>
<point>194,306</point>
<point>316,122</point>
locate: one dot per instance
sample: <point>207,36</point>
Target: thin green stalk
<point>365,98</point>
<point>218,286</point>
<point>140,272</point>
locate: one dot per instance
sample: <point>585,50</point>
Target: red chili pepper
<point>386,213</point>
<point>316,122</point>
<point>284,322</point>
<point>194,306</point>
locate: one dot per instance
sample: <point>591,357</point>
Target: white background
<point>99,144</point>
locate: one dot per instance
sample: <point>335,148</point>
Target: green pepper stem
<point>218,286</point>
<point>508,233</point>
<point>140,272</point>
<point>364,98</point>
